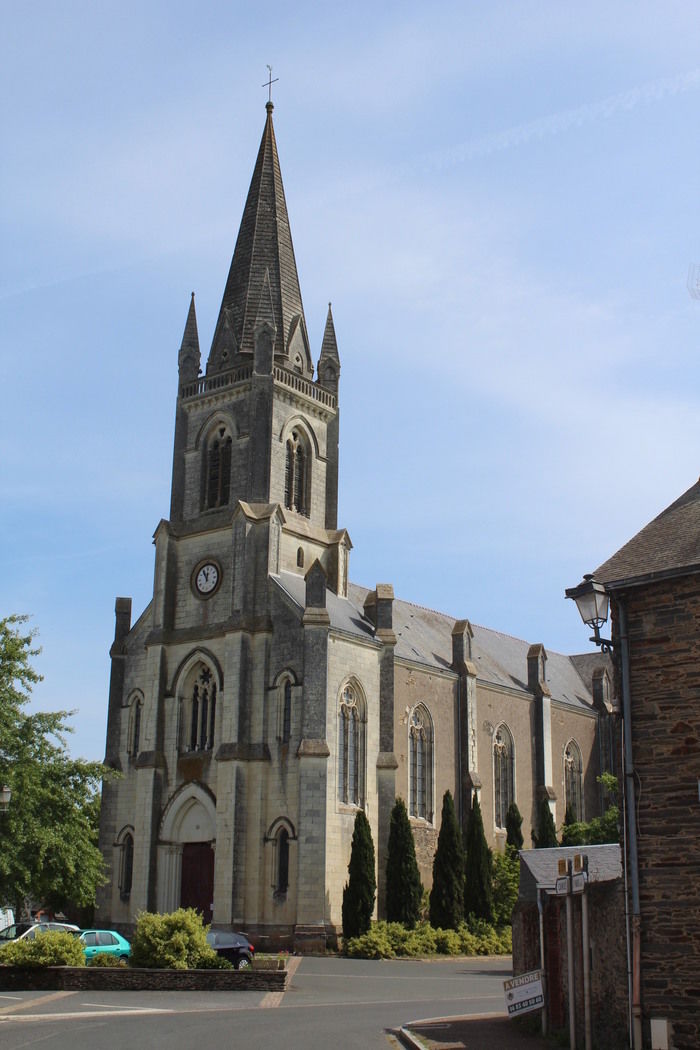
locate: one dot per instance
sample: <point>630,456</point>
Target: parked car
<point>20,931</point>
<point>232,946</point>
<point>104,942</point>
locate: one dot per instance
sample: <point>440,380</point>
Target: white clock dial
<point>207,578</point>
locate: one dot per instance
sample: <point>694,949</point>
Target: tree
<point>600,829</point>
<point>506,884</point>
<point>360,889</point>
<point>514,821</point>
<point>546,834</point>
<point>404,890</point>
<point>478,896</point>
<point>447,894</point>
<point>48,836</point>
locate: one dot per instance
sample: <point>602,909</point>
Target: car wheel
<point>243,964</point>
<point>123,958</point>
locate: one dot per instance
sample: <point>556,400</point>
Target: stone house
<point>261,698</point>
<point>654,587</point>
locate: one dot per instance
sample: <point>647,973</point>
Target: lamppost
<point>593,602</point>
<point>5,796</point>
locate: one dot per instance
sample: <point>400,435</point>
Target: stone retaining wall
<point>126,978</point>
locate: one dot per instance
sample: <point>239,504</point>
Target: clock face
<point>207,578</point>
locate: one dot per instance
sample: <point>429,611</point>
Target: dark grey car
<point>232,946</point>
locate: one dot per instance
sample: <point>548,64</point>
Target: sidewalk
<point>482,1032</point>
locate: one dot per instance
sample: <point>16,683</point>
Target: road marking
<point>271,1000</point>
<point>11,997</point>
<point>27,1004</point>
<point>82,1015</point>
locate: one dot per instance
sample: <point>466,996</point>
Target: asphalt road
<point>344,1004</point>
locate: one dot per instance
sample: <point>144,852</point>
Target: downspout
<point>540,908</point>
<point>631,807</point>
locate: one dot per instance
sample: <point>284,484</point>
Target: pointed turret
<point>329,361</point>
<point>264,255</point>
<point>189,357</point>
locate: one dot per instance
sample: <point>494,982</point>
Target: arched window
<point>296,474</point>
<point>503,780</point>
<point>199,712</point>
<point>300,557</point>
<point>573,780</point>
<point>351,748</point>
<point>126,866</point>
<point>135,714</point>
<point>420,762</point>
<point>282,880</point>
<point>218,468</point>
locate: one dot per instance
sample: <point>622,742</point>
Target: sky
<point>501,202</point>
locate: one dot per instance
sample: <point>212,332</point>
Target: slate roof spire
<point>189,356</point>
<point>263,264</point>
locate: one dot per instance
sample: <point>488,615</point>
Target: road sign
<point>578,882</point>
<point>524,993</point>
<point>562,886</point>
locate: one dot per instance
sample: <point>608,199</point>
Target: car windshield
<point>11,933</point>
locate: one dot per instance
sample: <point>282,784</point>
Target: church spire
<point>329,361</point>
<point>189,356</point>
<point>263,265</point>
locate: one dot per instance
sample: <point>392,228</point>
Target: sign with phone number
<point>524,993</point>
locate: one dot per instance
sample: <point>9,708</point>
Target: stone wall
<point>664,636</point>
<point>125,978</point>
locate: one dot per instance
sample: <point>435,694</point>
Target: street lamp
<point>5,796</point>
<point>592,602</point>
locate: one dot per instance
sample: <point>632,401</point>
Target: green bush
<point>447,894</point>
<point>404,891</point>
<point>505,883</point>
<point>387,940</point>
<point>105,959</point>
<point>177,941</point>
<point>46,949</point>
<point>361,887</point>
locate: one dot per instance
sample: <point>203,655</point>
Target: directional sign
<point>524,993</point>
<point>562,886</point>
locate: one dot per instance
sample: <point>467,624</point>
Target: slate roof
<point>667,545</point>
<point>539,867</point>
<point>425,637</point>
<point>263,254</point>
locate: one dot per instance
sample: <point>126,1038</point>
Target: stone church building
<point>261,698</point>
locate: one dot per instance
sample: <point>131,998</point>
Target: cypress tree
<point>514,835</point>
<point>447,894</point>
<point>403,886</point>
<point>478,894</point>
<point>359,891</point>
<point>546,835</point>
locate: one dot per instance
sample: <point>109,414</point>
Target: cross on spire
<point>269,82</point>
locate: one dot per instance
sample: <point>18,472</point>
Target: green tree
<point>48,836</point>
<point>404,890</point>
<point>546,834</point>
<point>506,884</point>
<point>599,830</point>
<point>447,894</point>
<point>478,896</point>
<point>360,889</point>
<point>514,823</point>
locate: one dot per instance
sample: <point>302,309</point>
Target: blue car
<point>104,942</point>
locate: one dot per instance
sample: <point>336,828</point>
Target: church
<point>262,698</point>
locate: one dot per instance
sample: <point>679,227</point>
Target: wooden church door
<point>197,879</point>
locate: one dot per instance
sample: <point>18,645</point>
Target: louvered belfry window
<point>219,469</point>
<point>296,475</point>
<point>202,712</point>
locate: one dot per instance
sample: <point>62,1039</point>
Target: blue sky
<point>501,202</point>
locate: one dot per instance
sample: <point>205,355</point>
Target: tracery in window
<point>218,468</point>
<point>199,711</point>
<point>296,474</point>
<point>287,712</point>
<point>573,780</point>
<point>351,747</point>
<point>420,762</point>
<point>503,780</point>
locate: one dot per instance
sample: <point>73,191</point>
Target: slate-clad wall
<point>664,633</point>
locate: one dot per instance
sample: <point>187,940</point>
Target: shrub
<point>46,949</point>
<point>514,821</point>
<point>506,883</point>
<point>478,898</point>
<point>404,891</point>
<point>387,940</point>
<point>546,834</point>
<point>177,941</point>
<point>447,894</point>
<point>359,891</point>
